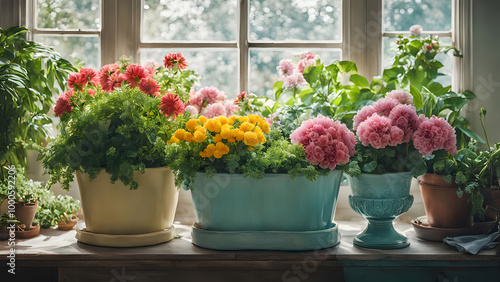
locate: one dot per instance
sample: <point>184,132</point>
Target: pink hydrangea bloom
<point>362,115</point>
<point>294,80</point>
<point>384,106</point>
<point>327,143</point>
<point>378,132</point>
<point>214,110</point>
<point>405,118</point>
<point>195,100</point>
<point>192,110</point>
<point>304,63</point>
<point>416,30</point>
<point>230,108</point>
<point>402,96</point>
<point>285,68</point>
<point>209,94</point>
<point>308,55</point>
<point>434,134</point>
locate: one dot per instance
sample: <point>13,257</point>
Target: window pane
<point>390,47</point>
<point>74,48</point>
<point>167,20</point>
<point>263,63</point>
<point>295,20</point>
<point>216,67</point>
<point>69,14</point>
<point>432,15</point>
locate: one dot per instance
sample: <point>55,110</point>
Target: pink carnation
<point>402,96</point>
<point>192,110</point>
<point>171,105</point>
<point>134,74</point>
<point>110,77</point>
<point>384,106</point>
<point>434,134</point>
<point>304,63</point>
<point>149,86</point>
<point>378,132</point>
<point>362,115</point>
<point>294,80</point>
<point>327,143</point>
<point>63,104</point>
<point>214,110</point>
<point>77,81</point>
<point>285,68</point>
<point>242,95</point>
<point>308,55</point>
<point>91,75</point>
<point>405,118</point>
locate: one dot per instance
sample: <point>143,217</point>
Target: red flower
<point>63,104</point>
<point>91,75</point>
<point>242,95</point>
<point>109,76</point>
<point>77,81</point>
<point>134,74</point>
<point>173,60</point>
<point>171,105</point>
<point>149,86</point>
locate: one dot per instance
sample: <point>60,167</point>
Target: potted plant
<point>392,141</point>
<point>8,224</point>
<point>114,125</point>
<point>253,188</point>
<point>57,210</point>
<point>22,196</point>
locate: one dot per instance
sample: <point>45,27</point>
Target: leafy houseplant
<point>29,75</point>
<point>6,221</point>
<point>241,164</point>
<point>56,209</point>
<point>114,125</point>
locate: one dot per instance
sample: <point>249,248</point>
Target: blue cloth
<point>473,244</point>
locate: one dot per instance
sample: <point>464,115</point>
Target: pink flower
<point>91,92</point>
<point>171,105</point>
<point>378,132</point>
<point>308,55</point>
<point>151,71</point>
<point>285,68</point>
<point>294,80</point>
<point>77,81</point>
<point>108,76</point>
<point>152,65</point>
<point>327,143</point>
<point>230,108</point>
<point>149,86</point>
<point>191,109</point>
<point>304,63</point>
<point>134,74</point>
<point>209,94</point>
<point>214,110</point>
<point>402,96</point>
<point>434,134</point>
<point>242,95</point>
<point>195,100</point>
<point>91,75</point>
<point>63,104</point>
<point>175,60</point>
<point>405,118</point>
<point>384,106</point>
<point>416,30</point>
<point>362,115</point>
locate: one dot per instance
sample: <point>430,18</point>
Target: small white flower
<point>416,30</point>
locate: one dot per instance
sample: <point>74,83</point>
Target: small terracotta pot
<point>25,213</point>
<point>68,224</point>
<point>443,207</point>
<point>491,197</point>
<point>32,232</point>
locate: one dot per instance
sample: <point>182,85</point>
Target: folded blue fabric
<point>473,244</point>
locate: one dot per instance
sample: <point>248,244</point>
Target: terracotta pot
<point>68,224</point>
<point>443,207</point>
<point>491,197</point>
<point>32,232</point>
<point>26,213</point>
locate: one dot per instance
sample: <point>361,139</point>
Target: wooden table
<point>56,256</point>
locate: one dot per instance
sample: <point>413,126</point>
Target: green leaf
<point>369,167</point>
<point>417,97</point>
<point>360,81</point>
<point>347,67</point>
<point>471,134</point>
<point>278,89</point>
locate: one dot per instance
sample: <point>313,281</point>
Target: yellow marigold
<point>250,148</point>
<point>251,139</point>
<point>218,154</point>
<point>225,131</point>
<point>258,130</point>
<point>213,125</point>
<point>179,134</point>
<point>262,138</point>
<point>246,126</point>
<point>217,138</point>
<point>264,126</point>
<point>231,120</point>
<point>199,137</point>
<point>173,140</point>
<point>231,140</point>
<point>240,134</point>
<point>188,136</point>
<point>202,119</point>
<point>243,119</point>
<point>253,119</point>
<point>223,120</point>
<point>201,129</point>
<point>191,124</point>
<point>221,147</point>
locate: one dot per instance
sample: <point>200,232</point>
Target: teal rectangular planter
<point>229,202</point>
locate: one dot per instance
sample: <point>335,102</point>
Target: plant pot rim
<point>147,168</point>
<point>27,204</point>
<point>378,175</point>
<point>268,175</point>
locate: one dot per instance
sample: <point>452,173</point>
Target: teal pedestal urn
<point>272,213</point>
<point>380,198</point>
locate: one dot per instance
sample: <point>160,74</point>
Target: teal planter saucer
<point>266,240</point>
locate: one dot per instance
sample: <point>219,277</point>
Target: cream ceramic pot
<point>115,209</point>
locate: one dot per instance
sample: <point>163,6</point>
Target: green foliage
<point>25,191</point>
<point>53,209</point>
<point>29,75</point>
<point>7,219</point>
<point>176,81</point>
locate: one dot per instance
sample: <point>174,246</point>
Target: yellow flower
<point>253,118</point>
<point>173,140</point>
<point>191,124</point>
<point>208,152</point>
<point>231,120</point>
<point>221,147</point>
<point>231,140</point>
<point>223,120</point>
<point>262,138</point>
<point>242,119</point>
<point>213,125</point>
<point>264,126</point>
<point>251,139</point>
<point>217,154</point>
<point>217,138</point>
<point>201,129</point>
<point>246,126</point>
<point>250,148</point>
<point>240,134</point>
<point>199,137</point>
<point>188,136</point>
<point>179,134</point>
<point>202,119</point>
<point>225,131</point>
